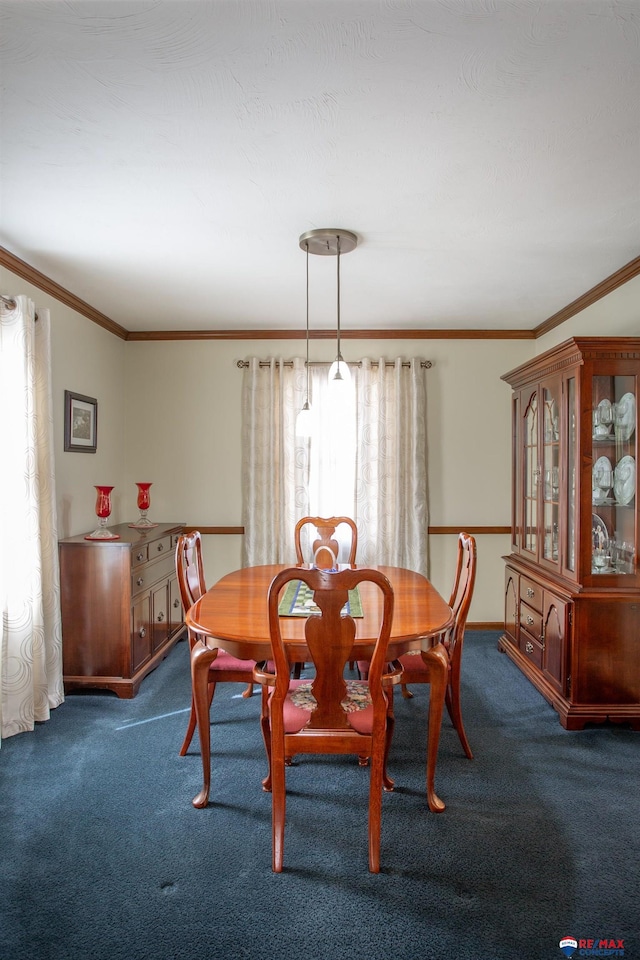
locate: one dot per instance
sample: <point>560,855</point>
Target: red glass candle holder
<point>144,502</point>
<point>103,512</point>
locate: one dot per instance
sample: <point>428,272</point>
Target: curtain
<point>367,458</point>
<point>391,464</point>
<point>275,461</point>
<point>30,627</point>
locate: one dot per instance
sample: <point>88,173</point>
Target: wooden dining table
<point>233,615</point>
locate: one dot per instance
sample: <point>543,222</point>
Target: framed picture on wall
<point>80,422</point>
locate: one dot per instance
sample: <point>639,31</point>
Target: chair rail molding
<point>433,531</point>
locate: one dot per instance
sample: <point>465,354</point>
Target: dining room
<point>530,786</point>
<point>159,299</point>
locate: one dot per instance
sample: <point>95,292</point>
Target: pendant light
<point>303,420</point>
<point>333,242</point>
<point>339,373</point>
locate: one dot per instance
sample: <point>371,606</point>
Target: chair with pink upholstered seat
<point>416,669</point>
<point>328,714</point>
<point>191,582</point>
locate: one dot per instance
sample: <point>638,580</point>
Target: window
<point>366,458</point>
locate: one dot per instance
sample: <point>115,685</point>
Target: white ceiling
<point>161,159</point>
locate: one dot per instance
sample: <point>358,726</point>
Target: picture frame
<point>80,423</point>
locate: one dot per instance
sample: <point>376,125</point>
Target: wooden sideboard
<point>121,609</point>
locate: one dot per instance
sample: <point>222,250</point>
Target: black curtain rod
<point>425,364</point>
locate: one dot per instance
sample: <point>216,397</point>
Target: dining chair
<point>325,548</point>
<point>413,664</point>
<point>328,714</point>
<point>191,583</point>
<point>416,666</point>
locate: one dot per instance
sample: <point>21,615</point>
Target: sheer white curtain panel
<point>274,460</point>
<point>366,458</point>
<point>30,629</point>
<point>391,509</point>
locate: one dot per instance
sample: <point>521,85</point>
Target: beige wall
<point>183,433</point>
<point>85,359</point>
<point>169,412</point>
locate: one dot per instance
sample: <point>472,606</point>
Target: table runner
<point>297,601</point>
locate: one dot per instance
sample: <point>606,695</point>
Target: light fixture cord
<point>338,306</point>
<point>307,248</point>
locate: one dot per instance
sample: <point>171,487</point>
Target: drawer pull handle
<point>140,556</point>
<point>160,547</point>
<point>140,581</point>
<point>142,632</point>
<point>160,617</point>
<point>528,647</point>
<point>530,592</point>
<point>176,603</point>
<point>530,620</point>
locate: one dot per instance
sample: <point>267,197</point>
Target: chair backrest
<point>190,568</point>
<point>329,636</point>
<point>325,548</point>
<point>462,592</point>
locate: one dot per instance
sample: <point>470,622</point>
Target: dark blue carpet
<point>104,858</point>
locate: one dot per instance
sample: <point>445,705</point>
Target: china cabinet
<point>121,608</point>
<point>572,584</point>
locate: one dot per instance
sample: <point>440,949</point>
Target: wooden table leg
<point>437,662</point>
<point>201,657</point>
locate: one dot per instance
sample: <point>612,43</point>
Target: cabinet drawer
<point>531,648</point>
<point>531,593</point>
<point>530,620</point>
<point>144,575</point>
<point>160,547</point>
<point>139,554</point>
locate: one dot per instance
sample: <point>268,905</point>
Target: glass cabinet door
<point>570,467</point>
<point>613,493</point>
<point>550,470</point>
<point>531,475</point>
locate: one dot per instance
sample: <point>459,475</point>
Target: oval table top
<point>234,612</point>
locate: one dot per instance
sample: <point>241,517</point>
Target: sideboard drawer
<point>531,648</point>
<point>147,574</point>
<point>531,593</point>
<point>161,546</point>
<point>531,621</point>
<point>139,554</point>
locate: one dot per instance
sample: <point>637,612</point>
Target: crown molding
<point>29,273</point>
<point>331,334</point>
<point>40,280</point>
<point>606,286</point>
